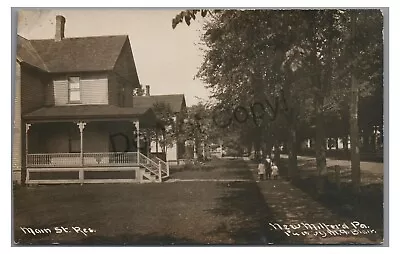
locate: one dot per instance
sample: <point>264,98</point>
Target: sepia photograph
<point>199,127</point>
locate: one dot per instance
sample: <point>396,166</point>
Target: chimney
<point>60,27</point>
<point>147,90</point>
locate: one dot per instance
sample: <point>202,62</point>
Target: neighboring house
<point>74,119</point>
<point>177,103</point>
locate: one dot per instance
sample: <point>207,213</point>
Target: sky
<point>166,59</point>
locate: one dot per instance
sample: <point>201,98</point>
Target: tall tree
<point>354,137</point>
<point>254,55</point>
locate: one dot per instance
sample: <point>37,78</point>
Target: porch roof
<point>145,115</point>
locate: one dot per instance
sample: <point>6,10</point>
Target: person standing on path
<point>261,170</point>
<point>268,167</point>
<point>274,171</point>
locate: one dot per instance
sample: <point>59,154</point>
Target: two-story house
<point>74,119</point>
<point>175,151</point>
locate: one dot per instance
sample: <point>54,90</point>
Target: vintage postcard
<point>159,127</point>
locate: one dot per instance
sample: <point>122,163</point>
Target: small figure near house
<point>275,171</point>
<point>261,170</point>
<point>268,163</point>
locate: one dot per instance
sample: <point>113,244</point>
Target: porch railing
<point>164,165</point>
<point>75,160</point>
<point>102,159</point>
<point>155,168</point>
<point>54,160</point>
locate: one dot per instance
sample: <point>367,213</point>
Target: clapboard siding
<point>29,96</point>
<point>60,92</point>
<point>17,132</point>
<point>114,88</point>
<point>94,89</point>
<point>124,76</point>
<point>32,89</point>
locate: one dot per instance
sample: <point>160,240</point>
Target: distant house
<point>74,118</point>
<point>177,104</point>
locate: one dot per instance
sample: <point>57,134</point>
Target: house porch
<point>90,151</point>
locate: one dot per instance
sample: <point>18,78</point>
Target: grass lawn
<point>216,169</point>
<point>145,214</point>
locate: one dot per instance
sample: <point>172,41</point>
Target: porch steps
<point>148,177</point>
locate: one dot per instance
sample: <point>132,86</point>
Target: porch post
<point>136,124</point>
<point>81,126</point>
<point>159,172</point>
<point>27,126</point>
<point>157,141</point>
<point>148,143</point>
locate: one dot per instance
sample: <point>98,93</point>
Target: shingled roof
<point>27,53</point>
<point>80,54</point>
<point>173,100</point>
<point>145,115</point>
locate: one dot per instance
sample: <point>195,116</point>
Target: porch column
<point>156,140</point>
<point>81,126</point>
<point>148,143</point>
<point>137,129</point>
<point>27,126</point>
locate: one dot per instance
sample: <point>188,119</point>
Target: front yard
<point>218,203</point>
<point>144,214</point>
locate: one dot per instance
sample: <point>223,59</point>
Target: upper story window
<point>74,90</point>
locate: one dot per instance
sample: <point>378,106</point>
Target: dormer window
<point>74,90</point>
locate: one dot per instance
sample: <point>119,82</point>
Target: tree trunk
<point>269,149</point>
<point>320,144</point>
<point>366,144</point>
<point>354,138</point>
<point>257,149</point>
<point>277,154</point>
<point>197,148</point>
<point>292,150</point>
<point>346,144</point>
<point>264,151</point>
<point>337,143</point>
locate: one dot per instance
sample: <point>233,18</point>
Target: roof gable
<point>125,64</point>
<point>79,54</point>
<point>27,53</point>
<point>175,101</point>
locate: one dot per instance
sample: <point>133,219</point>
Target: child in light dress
<point>274,171</point>
<point>261,170</point>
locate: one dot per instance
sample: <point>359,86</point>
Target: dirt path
<point>308,221</point>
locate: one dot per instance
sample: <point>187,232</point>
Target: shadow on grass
<point>365,206</point>
<point>250,215</point>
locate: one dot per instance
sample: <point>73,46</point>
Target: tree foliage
<point>308,55</point>
<point>139,91</point>
<point>169,129</point>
